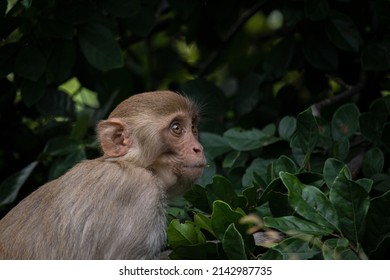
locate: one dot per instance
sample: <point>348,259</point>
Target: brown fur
<point>113,207</point>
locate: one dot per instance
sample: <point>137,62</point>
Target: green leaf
<point>285,164</point>
<point>309,202</point>
<point>295,248</point>
<point>287,127</point>
<point>251,194</point>
<point>332,169</point>
<point>99,47</point>
<point>258,166</point>
<point>371,127</point>
<point>233,244</point>
<point>197,196</point>
<point>316,9</point>
<point>320,52</point>
<point>214,144</point>
<point>221,189</point>
<point>340,149</point>
<point>10,187</point>
<point>293,225</point>
<point>378,225</point>
<point>223,215</point>
<point>373,162</point>
<point>307,130</point>
<point>182,234</point>
<point>342,32</point>
<point>30,63</point>
<point>351,202</point>
<point>338,249</point>
<point>345,121</point>
<point>230,159</point>
<point>203,222</point>
<point>248,140</point>
<point>365,183</point>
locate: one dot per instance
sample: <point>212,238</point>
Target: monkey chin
<point>193,171</point>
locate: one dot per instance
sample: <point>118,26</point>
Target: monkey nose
<point>197,149</point>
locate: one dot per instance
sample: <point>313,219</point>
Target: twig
<point>349,92</point>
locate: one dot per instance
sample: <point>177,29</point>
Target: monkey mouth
<point>195,166</point>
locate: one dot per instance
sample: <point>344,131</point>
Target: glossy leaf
<point>293,225</point>
<point>198,198</point>
<point>307,131</point>
<point>257,167</point>
<point>373,162</point>
<point>285,164</point>
<point>214,144</point>
<point>223,215</point>
<point>182,234</point>
<point>221,189</point>
<point>338,249</point>
<point>371,127</point>
<point>294,249</point>
<point>332,169</point>
<point>309,202</point>
<point>287,127</point>
<point>248,140</point>
<point>351,202</point>
<point>233,244</point>
<point>345,121</point>
<point>203,222</point>
<point>377,231</point>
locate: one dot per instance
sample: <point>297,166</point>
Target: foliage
<point>296,113</point>
<point>306,192</point>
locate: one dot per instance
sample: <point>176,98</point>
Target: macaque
<point>113,207</point>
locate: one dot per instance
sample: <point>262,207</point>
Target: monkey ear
<point>114,137</point>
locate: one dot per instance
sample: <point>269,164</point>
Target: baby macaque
<point>113,207</point>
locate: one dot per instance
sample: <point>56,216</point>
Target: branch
<point>229,36</point>
<point>349,92</point>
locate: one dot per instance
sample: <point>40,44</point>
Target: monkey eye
<point>176,128</point>
<point>194,129</point>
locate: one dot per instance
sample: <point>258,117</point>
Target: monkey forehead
<point>159,103</point>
